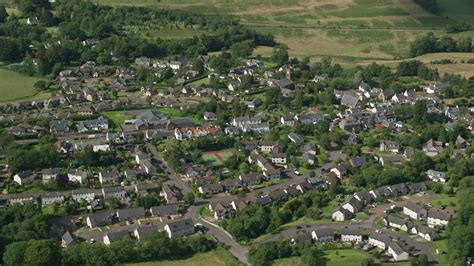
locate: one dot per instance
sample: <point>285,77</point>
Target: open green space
<point>212,159</point>
<point>346,257</point>
<point>219,256</point>
<point>15,86</point>
<point>117,117</point>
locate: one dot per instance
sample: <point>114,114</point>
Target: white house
<point>437,217</point>
<point>75,175</point>
<point>414,211</point>
<point>397,253</point>
<point>351,235</point>
<point>323,235</point>
<point>179,228</point>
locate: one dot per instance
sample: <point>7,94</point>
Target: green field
<point>116,117</point>
<point>346,257</point>
<point>15,86</point>
<point>217,257</point>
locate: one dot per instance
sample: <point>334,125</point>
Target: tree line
<point>431,44</point>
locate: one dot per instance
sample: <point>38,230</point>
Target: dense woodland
<point>117,31</point>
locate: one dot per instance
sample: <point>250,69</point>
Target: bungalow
<point>211,189</point>
<point>287,120</point>
<point>414,211</point>
<point>75,175</point>
<point>351,235</point>
<point>107,176</point>
<point>353,205</point>
<point>94,220</point>
<point>221,210</point>
<point>438,217</point>
<point>323,235</point>
<point>68,240</point>
<point>179,228</point>
<point>394,159</point>
<point>425,232</point>
<point>22,198</point>
<point>391,146</point>
<point>50,174</point>
<point>98,124</point>
<point>51,198</point>
<point>83,194</point>
<point>208,116</point>
<point>142,231</point>
<point>341,214</point>
<point>171,210</point>
<point>110,237</point>
<point>350,100</point>
<point>432,148</point>
<point>309,118</point>
<point>169,195</point>
<point>264,200</point>
<point>296,138</point>
<point>339,170</point>
<point>364,196</point>
<point>379,240</point>
<point>397,253</point>
<point>131,214</point>
<point>114,192</point>
<point>238,204</point>
<point>24,177</point>
<point>395,222</point>
<point>59,126</point>
<point>278,195</point>
<point>357,161</point>
<point>230,184</point>
<point>250,179</point>
<point>417,187</point>
<point>437,176</point>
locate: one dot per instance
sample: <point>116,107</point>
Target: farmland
<point>15,86</point>
<point>350,31</point>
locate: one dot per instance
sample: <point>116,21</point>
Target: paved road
<point>218,233</point>
<point>174,178</point>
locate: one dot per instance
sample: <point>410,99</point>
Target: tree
<point>241,49</point>
<point>312,257</point>
<point>9,49</point>
<point>3,14</point>
<point>42,253</point>
<point>40,85</point>
<point>14,254</point>
<point>280,55</point>
<point>420,113</point>
<point>33,7</point>
<point>189,198</point>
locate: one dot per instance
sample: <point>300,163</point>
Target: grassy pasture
<point>15,86</point>
<point>346,257</point>
<point>216,257</point>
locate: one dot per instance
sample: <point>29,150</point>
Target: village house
<point>323,235</point>
<point>167,210</point>
<point>99,219</point>
<point>131,214</point>
<point>108,176</point>
<point>437,176</point>
<point>51,198</point>
<point>68,239</point>
<point>339,170</point>
<point>351,235</point>
<point>75,175</point>
<point>395,222</point>
<point>380,241</point>
<point>114,192</point>
<point>179,228</point>
<point>414,210</point>
<point>211,189</point>
<point>425,232</point>
<point>24,177</point>
<point>432,148</point>
<point>353,205</point>
<point>438,217</point>
<point>341,214</point>
<point>250,179</point>
<point>397,253</point>
<point>50,174</point>
<point>83,194</point>
<point>142,231</point>
<point>221,210</point>
<point>110,237</point>
<point>390,146</point>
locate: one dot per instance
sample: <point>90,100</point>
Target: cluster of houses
<point>224,209</point>
<point>434,217</point>
<point>93,197</point>
<point>172,229</point>
<point>398,250</point>
<point>357,202</point>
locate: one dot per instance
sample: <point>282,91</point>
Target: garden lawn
<point>15,86</point>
